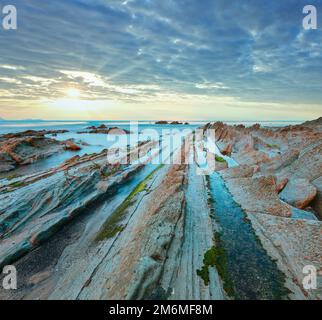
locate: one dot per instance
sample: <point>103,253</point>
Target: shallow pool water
<point>253,273</point>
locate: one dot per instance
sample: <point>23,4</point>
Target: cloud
<point>207,85</point>
<point>9,67</point>
<point>140,51</point>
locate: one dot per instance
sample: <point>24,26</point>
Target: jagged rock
<point>258,195</point>
<point>227,150</point>
<point>294,243</point>
<point>160,220</point>
<point>280,184</point>
<point>25,150</point>
<point>6,162</point>
<point>307,166</point>
<point>255,126</point>
<point>31,133</point>
<point>279,162</point>
<point>171,122</point>
<point>33,208</point>
<point>317,202</point>
<point>266,147</point>
<point>314,124</point>
<point>70,145</point>
<point>298,193</point>
<point>162,122</point>
<point>118,131</point>
<point>221,165</point>
<point>105,130</point>
<point>243,171</point>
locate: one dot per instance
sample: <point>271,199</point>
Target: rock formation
<point>21,150</point>
<point>93,229</point>
<point>105,130</point>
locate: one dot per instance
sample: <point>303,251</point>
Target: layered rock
<point>31,133</point>
<point>288,153</point>
<point>103,129</point>
<point>127,243</point>
<point>258,195</point>
<point>299,193</point>
<point>254,145</point>
<point>142,231</point>
<point>295,244</point>
<point>317,203</point>
<point>24,150</point>
<point>314,124</point>
<point>70,145</point>
<point>171,122</point>
<point>33,208</point>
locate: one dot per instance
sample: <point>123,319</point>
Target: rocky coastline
<point>91,230</point>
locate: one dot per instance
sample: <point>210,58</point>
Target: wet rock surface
<point>279,171</point>
<point>32,208</point>
<point>248,272</point>
<point>103,129</point>
<point>294,243</point>
<point>292,155</point>
<point>26,149</point>
<point>241,226</point>
<point>299,193</point>
<point>31,133</point>
<point>70,145</point>
<point>258,195</point>
<point>317,203</point>
<point>172,122</point>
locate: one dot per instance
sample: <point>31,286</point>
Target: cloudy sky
<point>161,59</point>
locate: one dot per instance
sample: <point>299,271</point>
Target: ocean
<point>74,126</point>
<point>95,143</point>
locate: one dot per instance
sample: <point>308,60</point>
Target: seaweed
<point>216,257</point>
<point>208,261</point>
<point>112,226</point>
<point>221,264</point>
<point>17,184</point>
<point>273,146</point>
<point>220,159</point>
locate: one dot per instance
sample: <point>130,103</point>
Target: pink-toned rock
<point>221,165</point>
<point>258,195</point>
<point>70,145</point>
<point>31,133</point>
<point>34,240</point>
<point>317,202</point>
<point>243,171</point>
<point>102,129</point>
<point>227,150</point>
<point>299,193</point>
<point>22,150</point>
<point>314,124</point>
<point>280,184</point>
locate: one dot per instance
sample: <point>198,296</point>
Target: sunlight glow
<point>73,93</point>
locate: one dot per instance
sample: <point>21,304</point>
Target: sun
<point>73,93</point>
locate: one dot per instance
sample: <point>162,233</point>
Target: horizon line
<point>150,120</point>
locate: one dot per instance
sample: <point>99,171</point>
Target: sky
<point>161,59</point>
